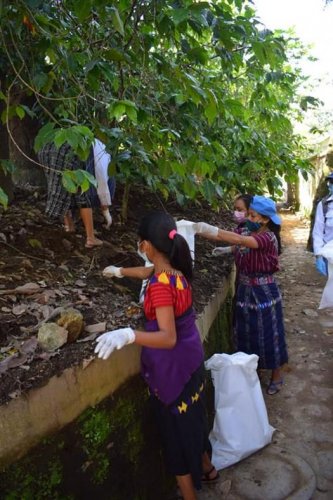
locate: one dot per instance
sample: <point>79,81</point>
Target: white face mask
<point>143,255</point>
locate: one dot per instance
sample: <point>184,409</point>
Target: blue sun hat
<point>265,206</point>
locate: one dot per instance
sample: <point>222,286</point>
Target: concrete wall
<point>25,421</point>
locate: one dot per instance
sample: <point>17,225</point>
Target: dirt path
<point>299,462</point>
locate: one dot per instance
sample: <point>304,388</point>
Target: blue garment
<point>258,324</point>
<point>321,265</point>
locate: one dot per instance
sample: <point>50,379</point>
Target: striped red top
<point>263,259</point>
<point>166,289</point>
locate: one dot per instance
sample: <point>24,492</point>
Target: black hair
<point>247,198</point>
<point>155,227</point>
<point>276,229</point>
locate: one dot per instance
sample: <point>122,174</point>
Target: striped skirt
<point>258,323</point>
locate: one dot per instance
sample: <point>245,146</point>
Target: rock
<point>51,336</point>
<point>72,320</point>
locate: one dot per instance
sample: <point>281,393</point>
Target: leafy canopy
<point>190,97</point>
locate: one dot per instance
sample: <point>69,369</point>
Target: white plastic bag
<point>241,424</point>
<point>327,296</point>
<point>186,229</point>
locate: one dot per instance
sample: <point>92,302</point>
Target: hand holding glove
<point>111,271</point>
<point>116,339</point>
<point>205,229</point>
<point>221,251</point>
<point>321,265</point>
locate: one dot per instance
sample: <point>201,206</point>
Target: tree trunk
<point>23,134</point>
<point>6,182</point>
<point>124,202</point>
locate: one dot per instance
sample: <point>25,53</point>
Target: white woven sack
<point>241,424</point>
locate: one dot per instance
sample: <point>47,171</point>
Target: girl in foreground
<point>172,354</point>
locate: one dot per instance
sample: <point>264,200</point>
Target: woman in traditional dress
<point>258,317</point>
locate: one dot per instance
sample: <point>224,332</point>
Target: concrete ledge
<point>42,411</point>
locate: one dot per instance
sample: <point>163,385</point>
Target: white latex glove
<point>221,251</point>
<point>206,229</point>
<point>108,218</point>
<point>111,271</point>
<point>116,339</point>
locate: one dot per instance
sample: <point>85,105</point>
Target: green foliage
<point>190,97</point>
<point>29,483</point>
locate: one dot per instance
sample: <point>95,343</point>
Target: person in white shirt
<point>323,227</point>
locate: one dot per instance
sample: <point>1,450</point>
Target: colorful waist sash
<point>256,280</point>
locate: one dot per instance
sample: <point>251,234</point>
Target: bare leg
<point>87,219</point>
<point>186,487</point>
<point>276,382</point>
<point>69,223</point>
<point>277,375</point>
<point>208,468</point>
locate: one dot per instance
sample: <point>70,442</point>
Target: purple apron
<point>167,371</point>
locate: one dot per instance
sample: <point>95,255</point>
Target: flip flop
<point>97,243</point>
<point>274,387</point>
<point>206,476</point>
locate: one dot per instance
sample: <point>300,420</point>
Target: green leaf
<point>82,9</point>
<point>68,182</point>
<point>34,243</point>
<point>40,80</point>
<point>46,134</point>
<point>117,22</point>
<point>199,55</point>
<point>3,198</point>
<point>20,112</point>
<point>7,166</point>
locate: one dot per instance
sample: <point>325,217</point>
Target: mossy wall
<point>112,451</point>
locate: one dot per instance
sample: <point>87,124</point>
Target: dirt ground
<point>299,462</point>
<point>35,250</point>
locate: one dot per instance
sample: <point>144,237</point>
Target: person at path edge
<point>323,227</point>
<point>258,317</point>
<point>172,353</point>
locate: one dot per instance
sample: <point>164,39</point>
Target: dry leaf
<point>20,309</point>
<point>86,362</point>
<point>96,328</point>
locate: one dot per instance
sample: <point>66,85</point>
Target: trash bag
<point>327,296</point>
<point>241,424</point>
<point>185,228</point>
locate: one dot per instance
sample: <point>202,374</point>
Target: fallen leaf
<point>20,309</point>
<point>12,362</point>
<point>34,243</point>
<point>15,394</point>
<point>86,362</point>
<point>29,346</point>
<point>96,328</point>
<point>80,283</point>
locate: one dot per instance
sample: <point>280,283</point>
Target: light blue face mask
<point>252,226</point>
<point>330,188</point>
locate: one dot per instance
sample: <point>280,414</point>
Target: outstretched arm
<point>216,234</point>
<point>140,272</point>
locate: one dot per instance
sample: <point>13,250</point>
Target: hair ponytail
<point>276,229</point>
<point>160,229</point>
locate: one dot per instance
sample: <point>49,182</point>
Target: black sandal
<point>206,476</point>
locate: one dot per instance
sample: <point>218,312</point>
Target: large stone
<point>72,320</point>
<point>52,336</point>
